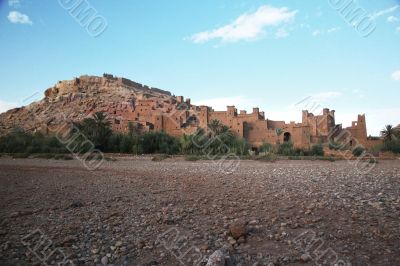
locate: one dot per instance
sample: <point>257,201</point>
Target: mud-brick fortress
<point>151,109</point>
<point>151,115</point>
<point>177,116</point>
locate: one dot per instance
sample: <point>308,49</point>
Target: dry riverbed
<point>134,211</point>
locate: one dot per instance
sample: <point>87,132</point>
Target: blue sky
<point>271,54</point>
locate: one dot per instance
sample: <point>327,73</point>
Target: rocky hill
<point>73,100</point>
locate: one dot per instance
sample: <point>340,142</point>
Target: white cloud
<point>396,75</point>
<point>384,12</point>
<point>247,26</point>
<point>281,33</point>
<point>334,29</point>
<point>14,3</point>
<point>316,33</point>
<point>16,17</point>
<point>322,32</point>
<point>392,19</point>
<point>5,106</point>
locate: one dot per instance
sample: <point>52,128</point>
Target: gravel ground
<point>134,211</point>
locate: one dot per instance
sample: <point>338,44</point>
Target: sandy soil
<point>134,211</point>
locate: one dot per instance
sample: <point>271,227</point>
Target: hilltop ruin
<point>153,109</point>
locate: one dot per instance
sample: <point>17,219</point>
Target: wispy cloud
<point>247,26</point>
<point>332,30</point>
<point>14,3</point>
<point>316,33</point>
<point>5,106</point>
<point>384,12</point>
<point>281,33</point>
<point>392,19</point>
<point>17,17</point>
<point>322,32</point>
<point>396,75</point>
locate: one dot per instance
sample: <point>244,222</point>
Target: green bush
<point>266,147</point>
<point>391,146</point>
<point>159,142</point>
<point>358,151</point>
<point>240,147</point>
<point>301,152</point>
<point>97,129</point>
<point>19,141</point>
<point>317,150</point>
<point>220,142</point>
<point>286,149</point>
<point>114,143</point>
<point>122,143</point>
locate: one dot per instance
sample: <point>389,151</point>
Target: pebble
<point>123,226</point>
<point>305,258</point>
<point>237,230</point>
<point>104,260</point>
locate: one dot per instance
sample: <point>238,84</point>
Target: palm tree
<point>224,137</point>
<point>278,132</point>
<point>218,128</point>
<point>101,120</point>
<point>133,129</point>
<point>186,144</point>
<point>214,126</point>
<point>97,129</point>
<point>388,133</point>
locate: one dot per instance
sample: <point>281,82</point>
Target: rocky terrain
<point>134,211</point>
<point>73,100</point>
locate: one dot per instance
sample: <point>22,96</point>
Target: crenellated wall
<point>151,109</point>
<point>178,117</point>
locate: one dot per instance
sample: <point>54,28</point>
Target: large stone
<point>216,259</point>
<point>104,260</point>
<point>238,230</point>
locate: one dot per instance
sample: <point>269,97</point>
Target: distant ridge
<point>73,100</point>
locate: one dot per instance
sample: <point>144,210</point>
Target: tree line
<point>98,131</point>
<point>218,140</point>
